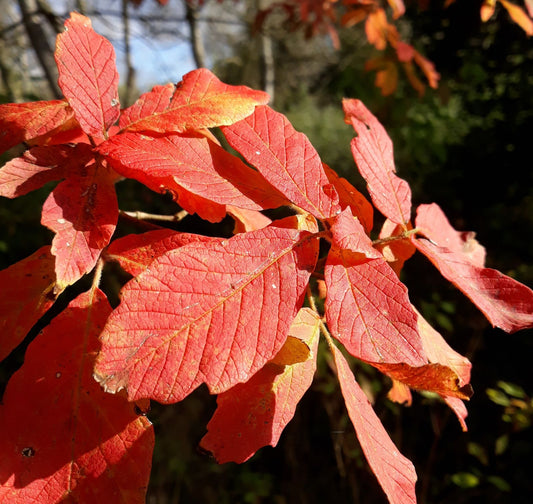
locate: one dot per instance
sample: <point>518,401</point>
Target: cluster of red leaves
<point>229,313</point>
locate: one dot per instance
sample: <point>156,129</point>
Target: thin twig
<point>148,216</point>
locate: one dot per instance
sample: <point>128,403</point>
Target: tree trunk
<point>197,43</point>
<point>40,43</point>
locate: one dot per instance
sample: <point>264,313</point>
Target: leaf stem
<point>403,236</point>
<point>148,216</point>
<point>323,329</point>
<point>97,275</point>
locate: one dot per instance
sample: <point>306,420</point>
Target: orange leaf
<point>519,16</point>
<point>200,101</point>
<point>21,122</point>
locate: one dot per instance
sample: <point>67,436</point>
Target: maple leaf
<point>88,76</point>
<point>21,122</point>
<point>211,313</point>
<point>83,212</point>
<point>253,414</point>
<point>27,293</point>
<point>200,101</point>
<point>285,158</point>
<point>372,151</point>
<point>367,307</point>
<point>190,166</point>
<point>506,303</point>
<point>84,445</point>
<point>395,473</point>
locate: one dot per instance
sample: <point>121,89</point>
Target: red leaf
<point>395,473</point>
<point>83,212</point>
<point>253,414</point>
<point>286,159</point>
<point>434,225</point>
<point>136,252</point>
<point>506,303</point>
<point>83,445</point>
<point>348,235</point>
<point>349,196</point>
<point>192,163</point>
<point>21,122</point>
<point>26,295</point>
<point>372,151</point>
<point>40,165</point>
<point>376,28</point>
<point>154,102</point>
<point>211,313</point>
<point>367,307</point>
<point>247,220</point>
<point>200,101</point>
<point>88,76</point>
<point>396,252</point>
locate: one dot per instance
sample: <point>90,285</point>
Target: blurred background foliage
<point>466,146</point>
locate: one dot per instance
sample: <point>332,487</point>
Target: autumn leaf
<point>40,165</point>
<point>88,76</point>
<point>136,252</point>
<point>396,252</point>
<point>253,414</point>
<point>200,101</point>
<point>83,445</point>
<point>21,122</point>
<point>153,102</point>
<point>83,212</point>
<point>519,16</point>
<point>506,303</point>
<point>285,158</point>
<point>367,307</point>
<point>195,164</point>
<point>27,294</point>
<point>211,313</point>
<point>395,473</point>
<point>372,151</point>
<point>349,196</point>
<point>434,225</point>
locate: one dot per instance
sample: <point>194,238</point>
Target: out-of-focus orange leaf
<point>519,16</point>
